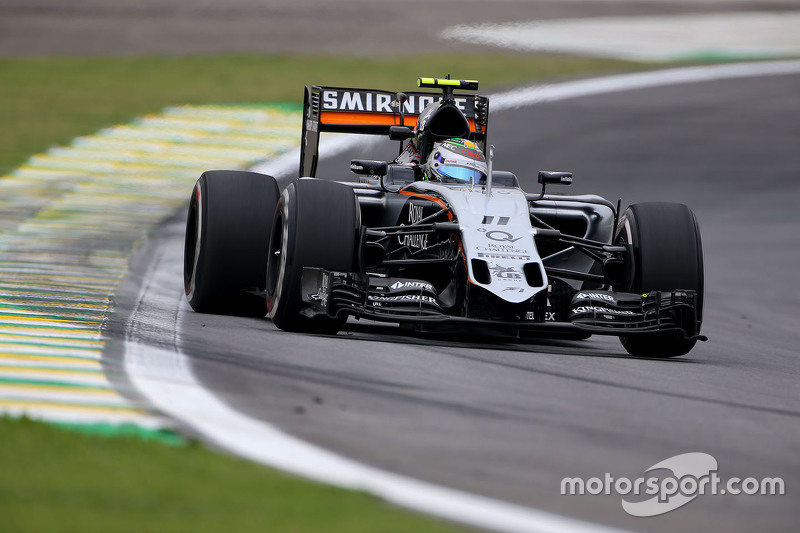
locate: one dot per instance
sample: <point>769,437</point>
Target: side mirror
<point>400,133</point>
<point>398,176</point>
<point>365,167</point>
<point>555,178</point>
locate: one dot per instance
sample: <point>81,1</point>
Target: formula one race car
<point>437,238</point>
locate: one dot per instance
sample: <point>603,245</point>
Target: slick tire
<point>666,254</point>
<point>316,224</point>
<point>227,235</point>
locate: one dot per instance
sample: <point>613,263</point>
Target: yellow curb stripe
<point>48,371</point>
<point>61,389</point>
<point>66,334</point>
<point>72,407</point>
<point>24,319</point>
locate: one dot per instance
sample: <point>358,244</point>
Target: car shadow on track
<point>487,340</point>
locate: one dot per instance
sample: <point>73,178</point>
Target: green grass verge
<point>49,101</point>
<point>56,480</point>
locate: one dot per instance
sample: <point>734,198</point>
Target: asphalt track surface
<point>510,419</point>
<point>358,27</point>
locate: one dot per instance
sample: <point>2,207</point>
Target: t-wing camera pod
<point>403,132</point>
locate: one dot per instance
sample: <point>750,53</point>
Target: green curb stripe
<point>163,436</point>
<point>72,217</point>
<point>28,322</point>
<point>78,326</point>
<point>54,383</point>
<point>46,368</point>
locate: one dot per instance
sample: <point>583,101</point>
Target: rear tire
<point>227,235</point>
<point>316,224</point>
<point>667,254</point>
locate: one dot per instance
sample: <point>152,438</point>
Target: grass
<point>49,101</point>
<point>57,480</point>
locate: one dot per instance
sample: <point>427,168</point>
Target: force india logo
<point>505,273</point>
<point>383,102</point>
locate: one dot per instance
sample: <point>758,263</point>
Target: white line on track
<point>680,37</point>
<point>165,377</point>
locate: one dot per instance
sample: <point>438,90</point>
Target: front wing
<point>411,301</point>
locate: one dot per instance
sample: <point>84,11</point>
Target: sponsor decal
<point>505,273</point>
<point>596,296</point>
<point>501,221</point>
<point>549,316</point>
<point>415,213</point>
<point>385,102</point>
<point>503,256</point>
<point>602,310</point>
<point>414,240</point>
<point>498,235</point>
<point>405,298</point>
<point>406,285</point>
<point>321,295</point>
<point>502,251</point>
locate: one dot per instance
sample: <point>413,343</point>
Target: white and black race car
<point>405,247</point>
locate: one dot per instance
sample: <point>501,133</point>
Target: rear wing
<point>374,112</point>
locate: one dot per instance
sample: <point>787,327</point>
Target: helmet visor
<point>460,173</point>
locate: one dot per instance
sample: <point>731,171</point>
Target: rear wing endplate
<point>373,112</point>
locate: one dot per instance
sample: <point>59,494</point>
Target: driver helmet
<point>456,161</point>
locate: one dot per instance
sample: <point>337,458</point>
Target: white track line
<point>743,35</point>
<point>165,377</point>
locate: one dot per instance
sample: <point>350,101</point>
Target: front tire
<point>227,234</point>
<point>666,254</point>
<point>316,224</point>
